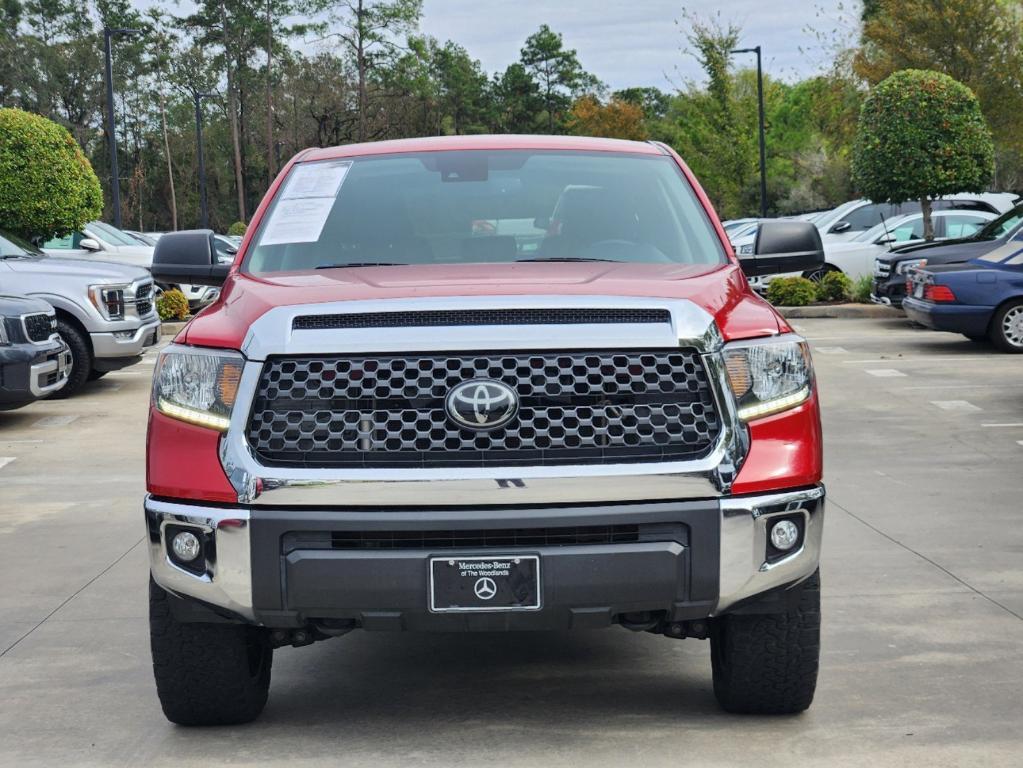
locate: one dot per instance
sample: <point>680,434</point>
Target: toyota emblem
<point>482,404</point>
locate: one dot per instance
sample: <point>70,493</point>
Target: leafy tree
<point>372,31</point>
<point>921,135</point>
<point>653,101</point>
<point>518,100</point>
<point>977,42</point>
<point>464,88</point>
<point>47,187</point>
<point>558,72</point>
<point>617,119</point>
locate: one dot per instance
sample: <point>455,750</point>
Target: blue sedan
<point>981,299</point>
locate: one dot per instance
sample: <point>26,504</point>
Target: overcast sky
<point>637,42</point>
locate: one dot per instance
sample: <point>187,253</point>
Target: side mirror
<point>188,257</point>
<point>838,227</point>
<point>89,244</point>
<point>784,246</point>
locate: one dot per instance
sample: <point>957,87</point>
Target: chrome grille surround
<point>39,327</point>
<point>273,334</point>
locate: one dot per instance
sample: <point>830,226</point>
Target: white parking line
<point>19,442</point>
<point>5,460</point>
<point>1007,424</point>
<point>123,373</point>
<point>933,359</point>
<point>832,350</point>
<point>883,373</point>
<point>956,405</point>
<point>55,421</point>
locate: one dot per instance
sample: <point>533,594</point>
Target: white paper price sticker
<point>305,204</point>
<point>316,180</point>
<point>299,220</point>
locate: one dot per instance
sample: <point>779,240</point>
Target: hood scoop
<point>420,319</point>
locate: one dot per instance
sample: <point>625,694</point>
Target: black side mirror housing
<point>784,246</point>
<point>188,257</point>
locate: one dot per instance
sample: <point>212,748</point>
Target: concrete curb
<point>172,329</point>
<point>874,311</point>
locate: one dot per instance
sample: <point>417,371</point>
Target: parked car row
<point>858,233</point>
<point>80,306</point>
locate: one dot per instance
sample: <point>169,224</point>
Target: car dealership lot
<point>923,606</point>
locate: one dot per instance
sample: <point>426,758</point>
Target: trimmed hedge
<point>172,305</point>
<point>47,186</point>
<point>237,229</point>
<point>791,292</point>
<point>834,286</point>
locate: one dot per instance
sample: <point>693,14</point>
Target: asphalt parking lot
<point>923,607</point>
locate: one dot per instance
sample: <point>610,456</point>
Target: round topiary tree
<point>47,186</point>
<point>921,135</point>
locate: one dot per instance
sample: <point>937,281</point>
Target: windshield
<point>110,234</point>
<point>484,207</point>
<point>1003,225</point>
<point>12,245</point>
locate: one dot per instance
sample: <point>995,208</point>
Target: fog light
<point>784,535</point>
<point>186,546</point>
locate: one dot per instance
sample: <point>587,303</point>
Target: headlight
<point>904,266</point>
<point>769,375</point>
<point>197,385</point>
<point>4,338</point>
<point>746,250</point>
<point>109,300</point>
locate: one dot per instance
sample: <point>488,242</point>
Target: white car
<point>104,243</point>
<point>856,257</point>
<point>857,216</point>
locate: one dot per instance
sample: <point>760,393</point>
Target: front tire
<point>207,674</point>
<point>1007,328</point>
<point>816,275</point>
<point>81,359</point>
<point>767,664</point>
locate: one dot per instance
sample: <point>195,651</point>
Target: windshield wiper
<point>572,258</point>
<point>364,264</point>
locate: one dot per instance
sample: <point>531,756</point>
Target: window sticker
<point>299,220</point>
<point>305,203</point>
<point>316,180</point>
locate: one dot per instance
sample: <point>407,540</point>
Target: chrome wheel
<point>1012,326</point>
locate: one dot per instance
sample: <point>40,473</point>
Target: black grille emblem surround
<point>481,404</point>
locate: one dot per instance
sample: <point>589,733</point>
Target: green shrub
<point>237,229</point>
<point>834,286</point>
<point>47,186</point>
<point>861,291</point>
<point>172,305</point>
<point>791,292</point>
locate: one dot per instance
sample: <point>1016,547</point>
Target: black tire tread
<point>767,664</point>
<point>81,352</point>
<point>202,670</point>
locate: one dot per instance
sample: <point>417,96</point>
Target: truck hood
<point>944,251</point>
<point>13,306</point>
<point>721,290</point>
<point>94,271</point>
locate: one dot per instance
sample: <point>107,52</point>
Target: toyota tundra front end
<point>483,384</point>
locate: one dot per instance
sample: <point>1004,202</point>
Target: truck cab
<point>473,384</point>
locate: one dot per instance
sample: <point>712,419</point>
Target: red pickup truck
<point>483,383</point>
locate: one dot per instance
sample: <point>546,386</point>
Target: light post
<point>204,213</point>
<point>760,109</point>
<point>115,179</point>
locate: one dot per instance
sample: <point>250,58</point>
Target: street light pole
<point>115,178</point>
<point>204,214</point>
<point>763,145</point>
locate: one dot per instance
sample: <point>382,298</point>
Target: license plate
<point>492,583</point>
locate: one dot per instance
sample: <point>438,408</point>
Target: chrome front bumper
<point>126,343</point>
<point>738,526</point>
<point>59,363</point>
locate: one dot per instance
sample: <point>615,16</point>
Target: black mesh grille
<point>483,539</point>
<point>40,327</point>
<point>574,407</point>
<point>144,299</point>
<point>481,317</point>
